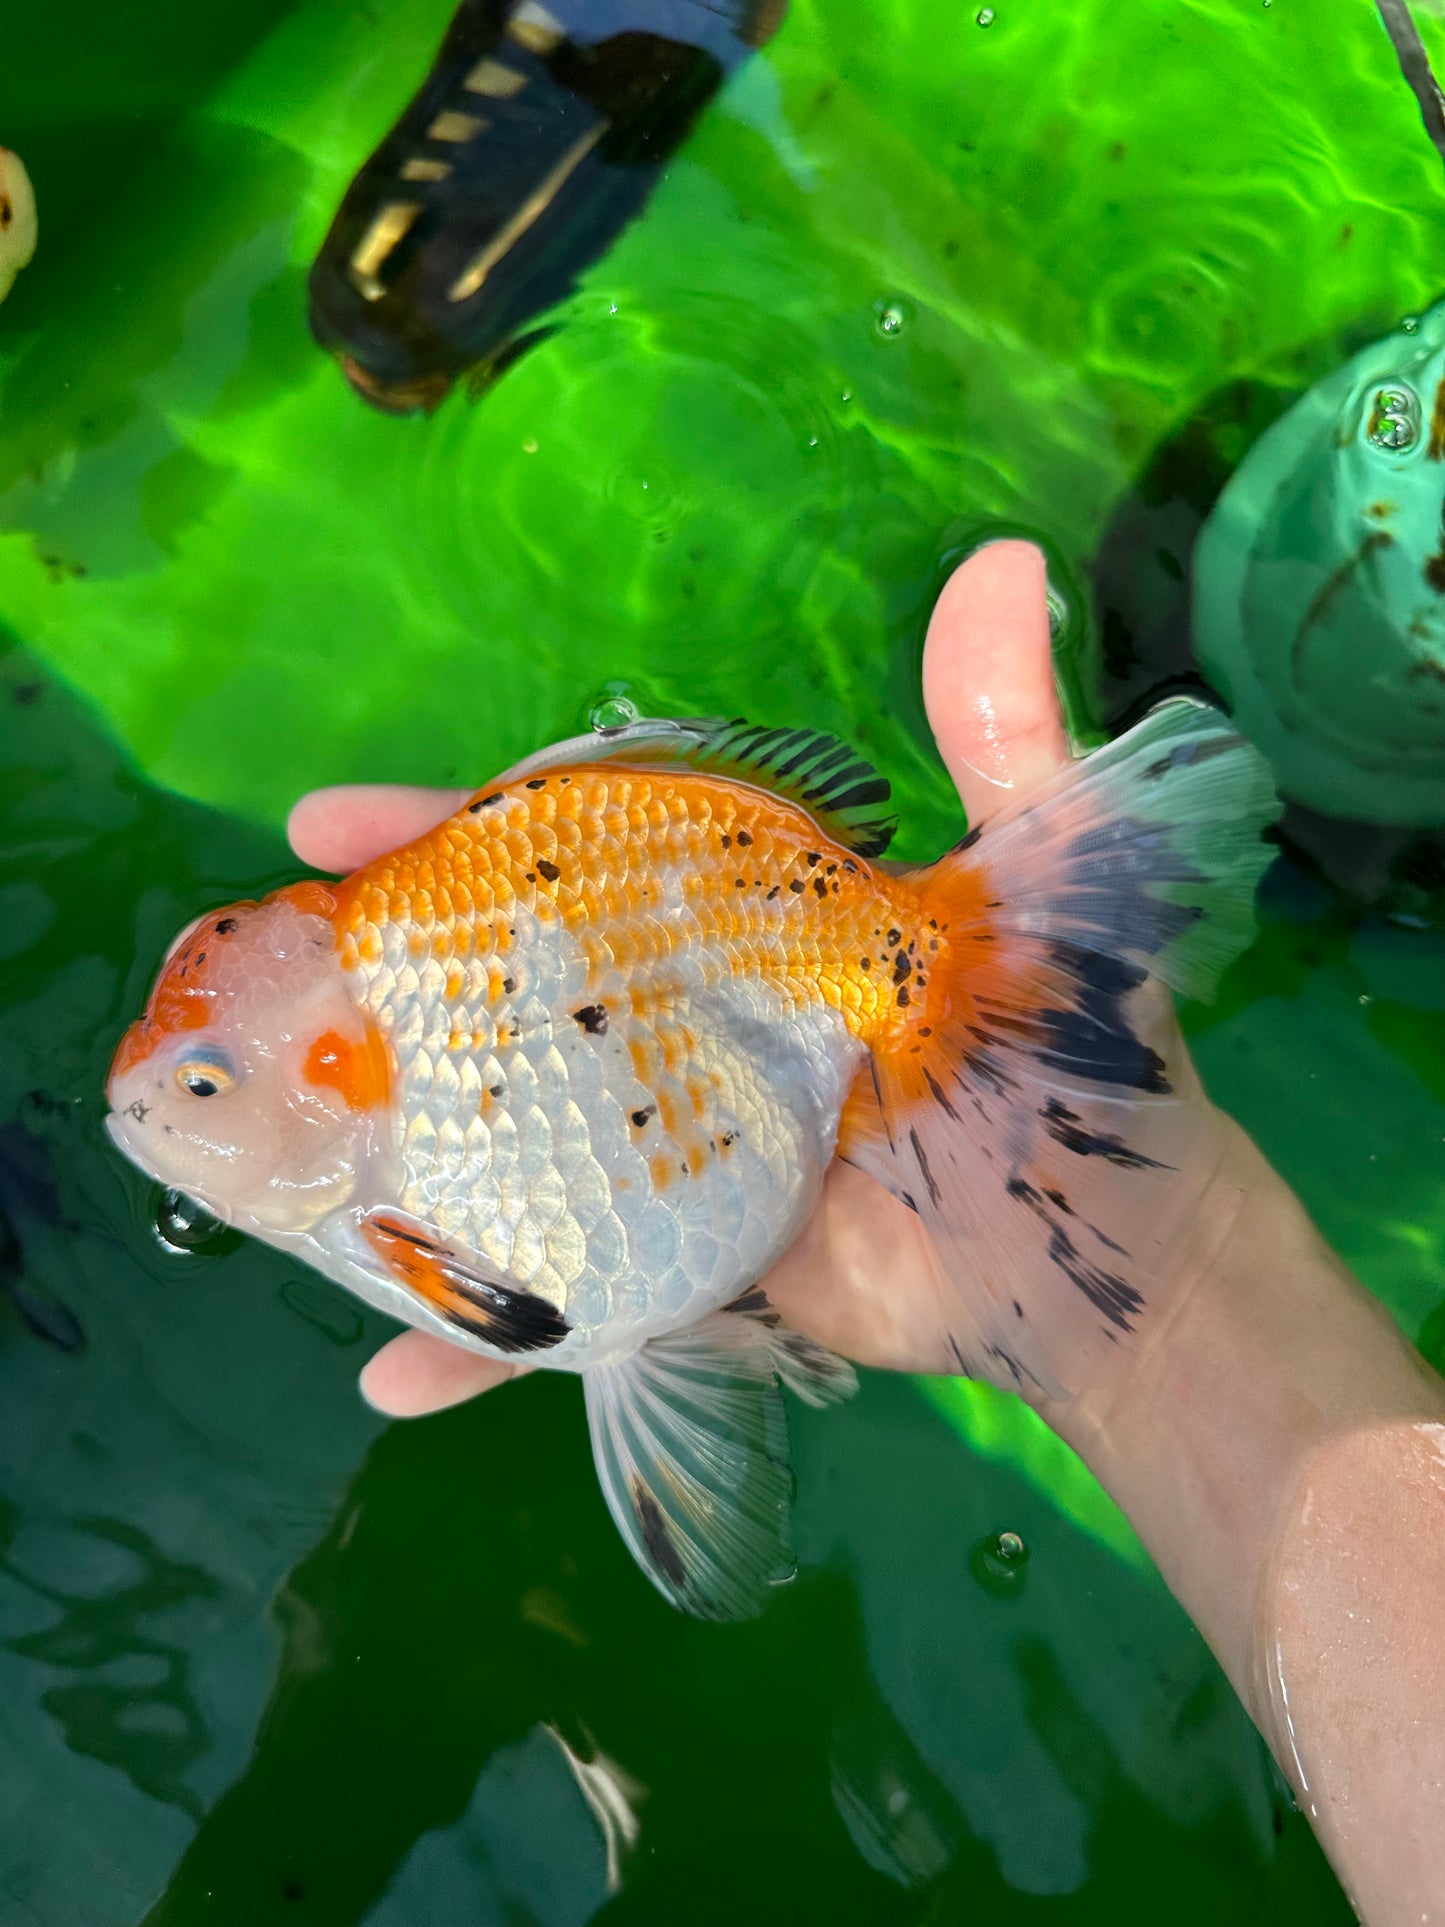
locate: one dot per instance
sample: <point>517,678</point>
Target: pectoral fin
<point>453,1282</point>
<point>691,1448</point>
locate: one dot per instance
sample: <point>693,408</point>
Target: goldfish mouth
<point>127,1132</point>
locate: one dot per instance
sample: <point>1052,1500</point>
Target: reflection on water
<point>139,1717</point>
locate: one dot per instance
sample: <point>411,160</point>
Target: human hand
<point>862,1278</point>
<point>1271,1421</point>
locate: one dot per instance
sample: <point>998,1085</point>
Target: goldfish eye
<point>210,1076</point>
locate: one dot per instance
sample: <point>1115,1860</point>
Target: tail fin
<point>1038,1115</point>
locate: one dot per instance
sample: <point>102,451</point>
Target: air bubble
<point>1058,609</point>
<point>984,16</point>
<point>999,1562</point>
<point>529,447</point>
<point>890,318</point>
<point>610,711</point>
<point>1410,324</point>
<point>1394,418</point>
<point>182,1225</point>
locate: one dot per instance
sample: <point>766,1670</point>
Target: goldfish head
<point>253,1082</point>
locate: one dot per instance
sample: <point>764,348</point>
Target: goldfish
<point>560,1080</point>
<point>538,134</point>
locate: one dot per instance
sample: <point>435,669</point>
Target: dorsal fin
<point>843,793</point>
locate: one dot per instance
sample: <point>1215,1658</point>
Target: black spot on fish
<point>967,842</point>
<point>903,996</point>
<point>1105,1290</point>
<point>820,886</point>
<point>797,886</point>
<point>537,783</point>
<point>1094,1039</point>
<point>548,870</point>
<point>1065,1127</point>
<point>496,1089</point>
<point>485,803</point>
<point>531,876</point>
<point>814,856</point>
<point>928,1179</point>
<point>940,1095</point>
<point>901,967</point>
<point>593,1019</point>
<point>727,841</point>
<point>640,1118</point>
<point>511,1319</point>
<point>744,838</point>
<point>1185,755</point>
<point>656,1536</point>
<point>773,892</point>
<point>225,927</point>
<point>894,937</point>
<point>509,984</point>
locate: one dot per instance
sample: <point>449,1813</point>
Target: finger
<point>338,828</point>
<point>417,1373</point>
<point>988,677</point>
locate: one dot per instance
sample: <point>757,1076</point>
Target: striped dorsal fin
<point>838,788</point>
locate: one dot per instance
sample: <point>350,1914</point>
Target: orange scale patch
<point>661,1172</point>
<point>359,1069</point>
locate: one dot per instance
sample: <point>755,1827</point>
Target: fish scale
<point>656,899</point>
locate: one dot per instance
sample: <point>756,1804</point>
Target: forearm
<point>1277,1449</point>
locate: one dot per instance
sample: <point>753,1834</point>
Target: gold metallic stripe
<point>450,126</point>
<point>536,204</point>
<point>426,170</point>
<point>492,78</point>
<point>532,27</point>
<point>377,243</point>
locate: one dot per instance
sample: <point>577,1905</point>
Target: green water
<point>262,1659</point>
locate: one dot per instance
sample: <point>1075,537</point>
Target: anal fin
<point>452,1282</point>
<point>691,1447</point>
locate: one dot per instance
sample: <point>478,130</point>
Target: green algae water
<point>919,273</point>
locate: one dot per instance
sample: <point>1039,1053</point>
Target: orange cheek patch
<point>359,1069</point>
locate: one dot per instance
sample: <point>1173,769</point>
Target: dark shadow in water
<point>174,1431</point>
<point>442,1619</point>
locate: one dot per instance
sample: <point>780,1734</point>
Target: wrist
<point>1266,1354</point>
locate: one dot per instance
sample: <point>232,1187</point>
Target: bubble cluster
<point>1394,417</point>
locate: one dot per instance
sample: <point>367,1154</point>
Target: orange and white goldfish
<point>561,1079</point>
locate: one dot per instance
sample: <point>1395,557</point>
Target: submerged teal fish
<point>561,1079</point>
<point>1319,587</point>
